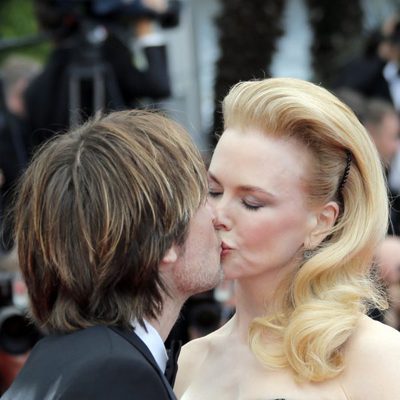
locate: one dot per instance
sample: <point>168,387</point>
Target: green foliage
<point>17,20</point>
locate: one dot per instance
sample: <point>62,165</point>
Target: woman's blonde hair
<point>320,304</point>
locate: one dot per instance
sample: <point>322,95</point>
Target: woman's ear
<point>325,219</point>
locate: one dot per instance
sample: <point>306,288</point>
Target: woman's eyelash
<point>250,206</point>
<point>213,193</point>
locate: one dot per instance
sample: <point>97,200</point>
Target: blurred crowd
<point>370,86</point>
<point>93,67</point>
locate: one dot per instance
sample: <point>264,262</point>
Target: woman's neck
<point>255,297</point>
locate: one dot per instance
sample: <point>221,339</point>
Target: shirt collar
<point>390,71</point>
<point>153,342</point>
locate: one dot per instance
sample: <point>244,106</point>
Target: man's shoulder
<point>95,363</point>
<point>85,336</point>
<point>90,345</point>
<point>83,348</point>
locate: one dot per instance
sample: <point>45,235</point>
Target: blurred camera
<point>61,17</point>
<point>169,18</point>
<point>17,334</point>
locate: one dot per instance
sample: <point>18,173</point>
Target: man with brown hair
<point>383,124</point>
<point>114,234</point>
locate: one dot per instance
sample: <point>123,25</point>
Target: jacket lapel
<point>135,341</point>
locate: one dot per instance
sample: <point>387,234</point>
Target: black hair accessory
<point>345,173</point>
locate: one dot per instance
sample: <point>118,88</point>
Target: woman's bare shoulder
<point>372,357</point>
<point>193,355</point>
<point>198,349</point>
<point>372,338</point>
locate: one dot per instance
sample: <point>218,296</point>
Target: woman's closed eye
<point>252,205</point>
<point>214,193</point>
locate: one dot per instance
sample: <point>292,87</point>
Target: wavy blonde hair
<point>320,303</point>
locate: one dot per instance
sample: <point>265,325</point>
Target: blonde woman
<point>300,202</point>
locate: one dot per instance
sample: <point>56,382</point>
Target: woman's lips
<point>225,249</point>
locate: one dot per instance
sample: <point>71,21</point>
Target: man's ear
<point>324,220</point>
<point>170,256</point>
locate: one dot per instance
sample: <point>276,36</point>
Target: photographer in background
<point>16,73</point>
<point>91,67</point>
<point>17,333</point>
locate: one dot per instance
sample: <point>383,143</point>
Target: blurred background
<point>63,60</point>
<point>309,39</point>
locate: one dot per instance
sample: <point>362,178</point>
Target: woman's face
<point>257,189</point>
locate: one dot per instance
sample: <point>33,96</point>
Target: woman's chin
<point>229,272</point>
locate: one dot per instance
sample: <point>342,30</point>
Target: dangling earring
<point>308,254</point>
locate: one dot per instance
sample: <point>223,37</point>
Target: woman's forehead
<point>254,159</point>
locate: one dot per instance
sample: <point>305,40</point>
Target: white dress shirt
<point>153,342</point>
<point>390,73</point>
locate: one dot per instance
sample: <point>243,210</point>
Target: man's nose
<point>211,210</point>
<point>221,219</point>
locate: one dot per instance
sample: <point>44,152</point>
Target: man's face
<point>386,137</point>
<point>388,260</point>
<point>198,268</point>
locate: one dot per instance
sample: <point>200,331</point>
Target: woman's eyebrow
<point>210,175</point>
<point>244,188</point>
<point>249,188</point>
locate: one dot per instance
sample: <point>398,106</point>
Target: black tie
<point>172,364</point>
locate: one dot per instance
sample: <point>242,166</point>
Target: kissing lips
<point>225,249</point>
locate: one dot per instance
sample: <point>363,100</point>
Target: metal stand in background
<point>89,70</point>
<point>14,130</point>
<point>12,142</point>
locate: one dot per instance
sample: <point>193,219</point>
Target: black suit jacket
<point>98,363</point>
<point>365,75</point>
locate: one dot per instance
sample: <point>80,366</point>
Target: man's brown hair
<point>96,211</point>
